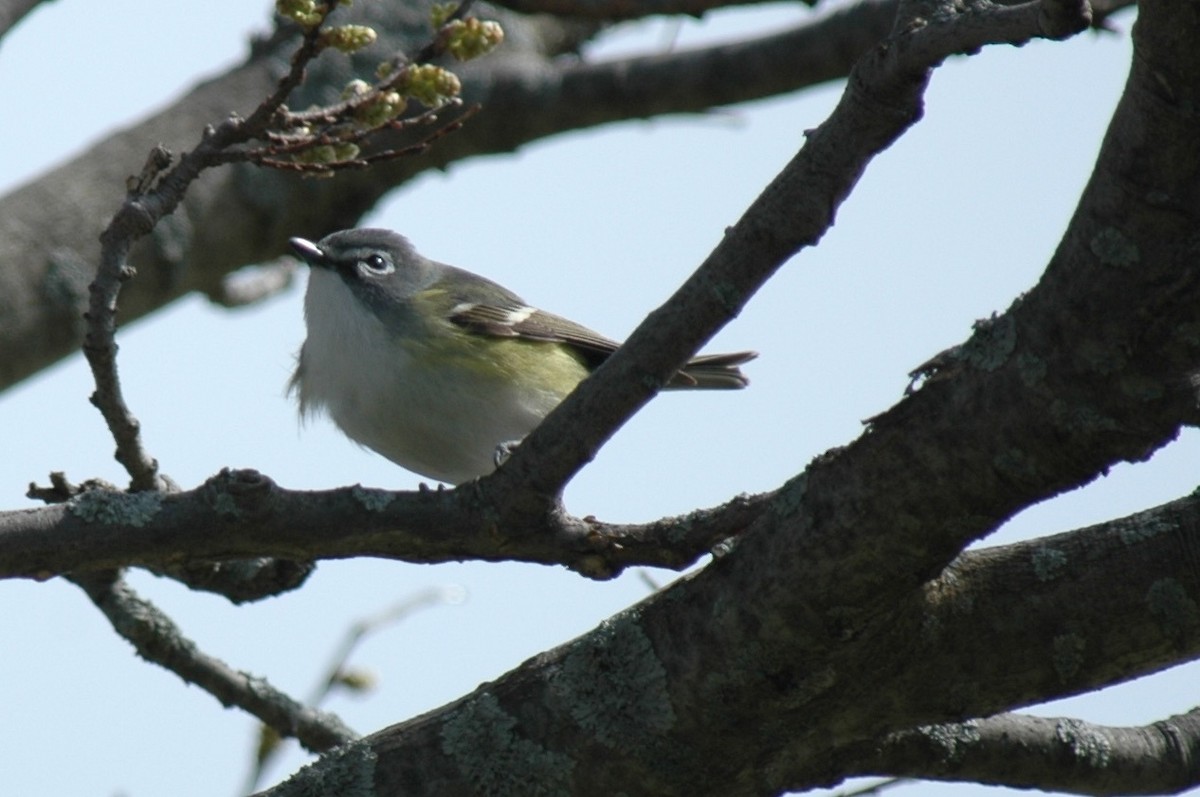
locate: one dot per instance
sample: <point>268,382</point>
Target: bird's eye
<point>377,264</point>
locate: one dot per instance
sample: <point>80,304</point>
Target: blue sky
<point>946,227</point>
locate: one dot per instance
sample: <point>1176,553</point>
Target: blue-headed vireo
<point>436,368</point>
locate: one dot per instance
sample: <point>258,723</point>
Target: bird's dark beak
<point>310,253</point>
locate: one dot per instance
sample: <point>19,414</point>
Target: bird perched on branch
<point>438,369</point>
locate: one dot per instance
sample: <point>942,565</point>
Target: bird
<point>436,368</point>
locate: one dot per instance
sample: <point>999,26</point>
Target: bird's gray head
<point>380,268</point>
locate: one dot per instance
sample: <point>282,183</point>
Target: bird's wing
<point>501,313</point>
<point>518,320</point>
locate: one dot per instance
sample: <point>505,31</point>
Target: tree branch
<point>158,640</point>
<point>132,221</point>
<point>530,99</point>
<point>1061,754</point>
<point>240,581</point>
<point>101,529</point>
<point>1040,602</point>
<point>1020,624</point>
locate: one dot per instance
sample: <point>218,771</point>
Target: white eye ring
<point>377,265</point>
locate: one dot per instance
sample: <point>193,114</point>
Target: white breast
<point>441,422</point>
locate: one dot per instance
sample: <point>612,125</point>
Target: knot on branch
<point>239,493</point>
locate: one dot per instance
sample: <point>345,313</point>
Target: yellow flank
<point>537,365</point>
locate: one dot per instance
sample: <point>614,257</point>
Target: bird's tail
<point>713,372</point>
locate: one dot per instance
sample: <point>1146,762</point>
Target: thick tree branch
<point>240,581</point>
<point>1042,602</point>
<point>1017,624</point>
<point>102,529</point>
<point>157,639</point>
<point>538,101</point>
<point>1062,754</point>
<point>990,631</point>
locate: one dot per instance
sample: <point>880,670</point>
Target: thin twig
<point>262,158</point>
<point>131,222</point>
